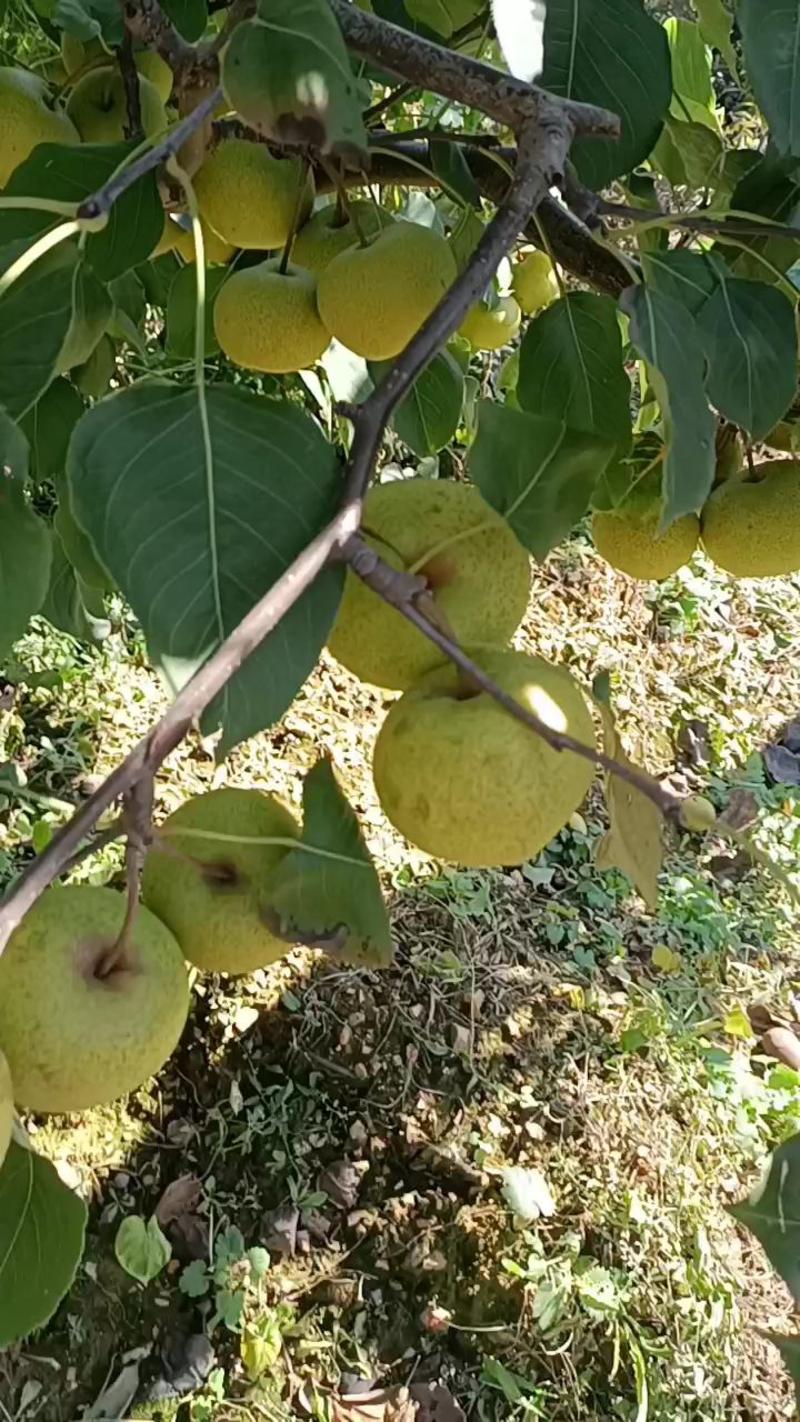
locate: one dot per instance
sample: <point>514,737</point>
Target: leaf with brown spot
<point>634,842</point>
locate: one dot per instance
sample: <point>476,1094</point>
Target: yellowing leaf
<point>634,841</point>
<point>737,1024</point>
<point>666,960</point>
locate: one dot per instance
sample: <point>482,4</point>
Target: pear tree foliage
<point>248,261</point>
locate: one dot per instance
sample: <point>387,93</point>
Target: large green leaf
<point>70,174</point>
<point>87,19</point>
<point>666,335</point>
<point>48,426</point>
<point>689,154</point>
<point>25,545</point>
<point>444,16</point>
<point>772,1213</point>
<point>686,277</point>
<point>196,531</point>
<point>288,74</point>
<point>571,367</point>
<point>539,474</point>
<point>35,317</point>
<point>750,339</point>
<point>609,52</point>
<point>326,892</point>
<point>428,417</point>
<point>770,188</point>
<point>770,31</point>
<point>42,1225</point>
<point>189,17</point>
<point>693,98</point>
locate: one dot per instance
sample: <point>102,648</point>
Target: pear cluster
<point>89,1007</point>
<point>455,773</point>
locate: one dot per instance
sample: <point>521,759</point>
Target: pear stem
<point>298,208</point>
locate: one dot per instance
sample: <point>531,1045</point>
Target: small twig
<point>401,592</point>
<point>99,204</point>
<point>696,222</point>
<point>133,94</point>
<point>377,110</point>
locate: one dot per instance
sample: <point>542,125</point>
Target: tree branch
<point>148,24</point>
<point>402,592</point>
<point>152,750</point>
<point>133,94</point>
<point>508,101</point>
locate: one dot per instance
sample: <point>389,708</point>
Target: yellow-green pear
<point>207,872</point>
<point>534,283</point>
<point>249,197</point>
<point>489,328</point>
<point>463,780</point>
<point>216,250</point>
<point>375,298</point>
<point>477,571</point>
<point>266,319</point>
<point>76,53</point>
<point>156,69</point>
<point>752,528</point>
<point>6,1107</point>
<point>330,232</point>
<point>75,1034</point>
<point>27,119</point>
<point>98,107</point>
<point>629,539</point>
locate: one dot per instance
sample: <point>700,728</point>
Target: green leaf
<point>194,537</point>
<point>42,1225</point>
<point>91,311</point>
<point>86,19</point>
<point>772,1213</point>
<point>750,338</point>
<point>75,543</point>
<point>770,188</point>
<point>689,154</point>
<point>634,842</point>
<point>536,472</point>
<point>715,26</point>
<point>182,307</point>
<point>667,337</point>
<point>194,1281</point>
<point>571,367</point>
<point>189,17</point>
<point>35,317</point>
<point>693,98</point>
<point>771,46</point>
<point>288,74</point>
<point>48,426</point>
<point>25,543</point>
<point>327,893</point>
<point>141,1248</point>
<point>72,606</point>
<point>450,165</point>
<point>70,174</point>
<point>609,52</point>
<point>428,417</point>
<point>686,277</point>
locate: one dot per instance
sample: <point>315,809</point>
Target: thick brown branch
<point>133,97</point>
<point>455,76</point>
<point>148,24</point>
<point>402,592</point>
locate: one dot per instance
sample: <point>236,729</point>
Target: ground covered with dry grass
<point>357,1126</point>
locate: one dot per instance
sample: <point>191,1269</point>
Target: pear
<point>375,298</point>
<point>151,66</point>
<point>266,319</point>
<point>534,283</point>
<point>477,572</point>
<point>489,328</point>
<point>76,53</point>
<point>75,1038</point>
<point>249,197</point>
<point>217,251</point>
<point>99,110</point>
<point>463,780</point>
<point>6,1107</point>
<point>210,889</point>
<point>751,528</point>
<point>26,119</point>
<point>630,540</point>
<point>328,233</point>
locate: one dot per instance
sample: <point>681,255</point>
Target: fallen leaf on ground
<point>181,1197</point>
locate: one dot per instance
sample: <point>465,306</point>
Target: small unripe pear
<point>489,328</point>
<point>697,814</point>
<point>267,320</point>
<point>534,282</point>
